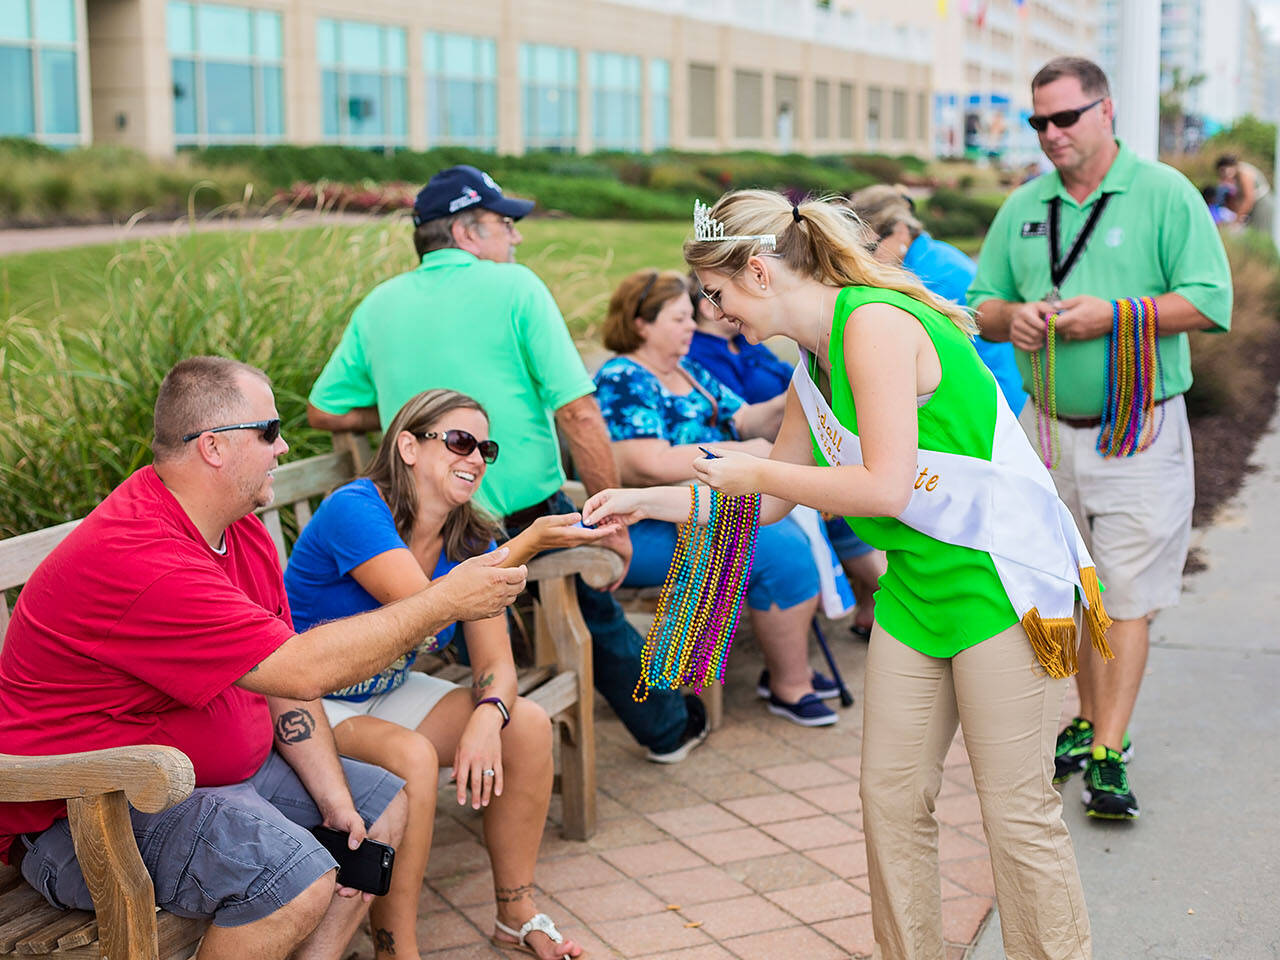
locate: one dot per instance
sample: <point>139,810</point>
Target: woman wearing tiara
<point>892,422</point>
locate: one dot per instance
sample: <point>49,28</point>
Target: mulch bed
<point>1224,442</point>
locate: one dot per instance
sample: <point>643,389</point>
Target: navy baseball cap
<point>460,188</point>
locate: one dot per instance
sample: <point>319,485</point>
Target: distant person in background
<point>1246,193</point>
<point>901,239</point>
<point>1213,196</point>
<point>754,372</point>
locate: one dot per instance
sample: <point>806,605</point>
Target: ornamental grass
<point>76,397</point>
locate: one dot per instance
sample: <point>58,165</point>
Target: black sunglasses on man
<point>1062,119</point>
<point>270,429</point>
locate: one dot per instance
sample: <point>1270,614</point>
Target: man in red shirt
<point>163,619</point>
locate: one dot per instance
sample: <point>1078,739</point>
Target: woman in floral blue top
<point>660,407</point>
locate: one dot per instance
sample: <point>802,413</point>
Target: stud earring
<point>762,286</point>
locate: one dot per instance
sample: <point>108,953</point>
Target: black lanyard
<point>1058,267</point>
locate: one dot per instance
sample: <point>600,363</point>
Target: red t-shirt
<point>133,630</point>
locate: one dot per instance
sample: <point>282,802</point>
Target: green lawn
<point>580,260</point>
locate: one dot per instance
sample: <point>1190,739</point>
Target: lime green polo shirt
<point>1155,236</point>
<point>489,330</point>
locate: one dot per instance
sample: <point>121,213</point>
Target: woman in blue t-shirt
<point>659,406</point>
<point>407,520</point>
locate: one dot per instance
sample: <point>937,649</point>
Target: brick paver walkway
<point>751,848</point>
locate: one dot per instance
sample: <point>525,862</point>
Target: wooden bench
<point>100,786</point>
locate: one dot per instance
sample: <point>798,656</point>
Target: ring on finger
<point>489,773</point>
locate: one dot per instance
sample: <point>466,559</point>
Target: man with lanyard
<point>470,319</point>
<point>1081,268</point>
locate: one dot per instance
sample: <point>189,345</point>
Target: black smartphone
<point>367,867</point>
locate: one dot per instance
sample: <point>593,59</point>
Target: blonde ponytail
<point>822,240</point>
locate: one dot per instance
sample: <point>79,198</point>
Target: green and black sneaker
<point>1106,787</point>
<point>1075,745</point>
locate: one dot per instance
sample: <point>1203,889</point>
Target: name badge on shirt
<point>1035,228</point>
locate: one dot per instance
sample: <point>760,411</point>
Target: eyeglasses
<point>270,430</point>
<point>712,297</point>
<point>1062,119</point>
<point>463,443</point>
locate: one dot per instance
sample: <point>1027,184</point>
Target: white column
<point>1137,81</point>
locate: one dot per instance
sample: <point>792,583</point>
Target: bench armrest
<point>153,778</point>
<point>599,567</point>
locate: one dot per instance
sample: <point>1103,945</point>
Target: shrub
<point>76,400</point>
<point>952,213</point>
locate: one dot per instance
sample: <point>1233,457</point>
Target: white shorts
<point>1133,512</point>
<point>406,705</point>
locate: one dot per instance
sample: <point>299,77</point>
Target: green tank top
<point>935,597</point>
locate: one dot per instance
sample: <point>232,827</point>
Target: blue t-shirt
<point>636,405</point>
<point>948,272</point>
<point>354,524</point>
<point>754,373</point>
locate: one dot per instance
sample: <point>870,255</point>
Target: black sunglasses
<point>1062,119</point>
<point>463,443</point>
<point>270,429</point>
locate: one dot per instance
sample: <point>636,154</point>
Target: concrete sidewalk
<point>1198,876</point>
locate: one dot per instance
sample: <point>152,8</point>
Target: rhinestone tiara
<point>707,227</point>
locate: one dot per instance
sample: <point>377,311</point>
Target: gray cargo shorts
<point>236,853</point>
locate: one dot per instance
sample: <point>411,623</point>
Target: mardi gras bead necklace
<point>1134,376</point>
<point>1046,397</point>
<point>701,599</point>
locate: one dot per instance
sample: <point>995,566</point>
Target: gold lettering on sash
<point>930,483</point>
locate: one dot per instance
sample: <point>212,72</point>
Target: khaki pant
<point>1008,709</point>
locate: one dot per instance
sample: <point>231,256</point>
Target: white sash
<point>1006,507</point>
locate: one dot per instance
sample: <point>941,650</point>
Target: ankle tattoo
<point>384,942</point>
<point>513,894</point>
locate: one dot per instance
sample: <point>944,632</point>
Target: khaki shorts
<point>406,705</point>
<point>1133,512</point>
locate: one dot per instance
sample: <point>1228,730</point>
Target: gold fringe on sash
<point>1096,616</point>
<point>1054,640</point>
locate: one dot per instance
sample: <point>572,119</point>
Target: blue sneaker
<point>808,711</point>
<point>823,686</point>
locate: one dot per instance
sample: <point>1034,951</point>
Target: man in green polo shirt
<point>1105,226</point>
<point>470,319</point>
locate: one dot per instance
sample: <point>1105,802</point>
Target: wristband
<point>502,709</point>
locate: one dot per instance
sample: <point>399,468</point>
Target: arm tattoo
<point>513,894</point>
<point>481,687</point>
<point>384,942</point>
<point>295,726</point>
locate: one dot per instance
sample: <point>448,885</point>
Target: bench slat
<point>45,940</point>
<point>557,694</point>
<point>310,477</point>
<point>20,555</point>
<point>28,922</point>
<point>81,936</point>
<point>18,901</point>
<point>10,877</point>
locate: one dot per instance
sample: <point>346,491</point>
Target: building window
<point>822,110</point>
<point>616,91</point>
<point>462,90</point>
<point>660,103</point>
<point>845,118</point>
<point>549,84</point>
<point>363,82</point>
<point>922,117</point>
<point>227,73</point>
<point>702,100</point>
<point>39,67</point>
<point>786,101</point>
<point>899,118</point>
<point>748,104</point>
<point>874,96</point>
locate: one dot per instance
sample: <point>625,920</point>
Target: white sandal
<point>539,922</point>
